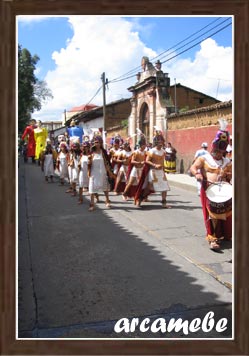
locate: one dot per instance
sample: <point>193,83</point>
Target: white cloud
<point>99,44</point>
<point>112,45</point>
<point>211,72</point>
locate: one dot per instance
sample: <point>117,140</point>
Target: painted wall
<point>188,141</point>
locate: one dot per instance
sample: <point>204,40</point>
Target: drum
<point>219,196</point>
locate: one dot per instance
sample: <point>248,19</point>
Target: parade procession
<point>87,167</point>
<point>126,196</point>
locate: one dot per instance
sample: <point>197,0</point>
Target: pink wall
<point>187,141</point>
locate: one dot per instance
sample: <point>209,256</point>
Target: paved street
<point>81,271</point>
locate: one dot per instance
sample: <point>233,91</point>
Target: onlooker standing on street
<point>170,159</point>
<point>199,153</point>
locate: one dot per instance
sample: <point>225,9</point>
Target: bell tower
<point>151,103</point>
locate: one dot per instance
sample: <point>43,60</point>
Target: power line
<point>137,68</point>
<point>94,95</point>
<point>119,79</point>
<point>175,46</point>
<point>178,54</point>
<point>195,44</point>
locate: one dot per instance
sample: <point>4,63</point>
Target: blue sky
<point>75,50</point>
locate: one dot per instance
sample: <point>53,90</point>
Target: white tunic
<point>83,175</point>
<point>157,176</point>
<point>98,179</point>
<point>75,170</point>
<point>63,169</point>
<point>48,165</point>
<point>124,168</point>
<point>137,171</point>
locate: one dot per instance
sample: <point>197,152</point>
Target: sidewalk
<point>182,181</point>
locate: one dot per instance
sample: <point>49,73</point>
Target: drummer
<point>212,168</point>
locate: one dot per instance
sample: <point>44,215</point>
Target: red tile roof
<point>83,108</point>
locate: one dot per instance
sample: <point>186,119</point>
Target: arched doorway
<point>145,120</point>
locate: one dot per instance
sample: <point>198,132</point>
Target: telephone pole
<point>104,100</point>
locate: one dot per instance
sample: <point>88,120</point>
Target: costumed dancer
<point>199,153</point>
<point>153,178</point>
<point>123,160</point>
<point>74,164</point>
<point>40,135</point>
<point>61,138</point>
<point>229,150</point>
<point>99,171</point>
<point>212,169</point>
<point>135,168</point>
<point>62,162</point>
<point>83,169</point>
<point>29,132</point>
<point>114,153</point>
<point>170,159</point>
<point>48,161</point>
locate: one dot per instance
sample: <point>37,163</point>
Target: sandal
<point>165,206</point>
<point>91,208</point>
<point>108,204</point>
<point>213,245</point>
<point>138,203</point>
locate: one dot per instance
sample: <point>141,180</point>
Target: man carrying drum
<point>214,171</point>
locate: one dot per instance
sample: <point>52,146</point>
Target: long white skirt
<point>98,181</point>
<point>83,175</point>
<point>159,180</point>
<point>63,169</point>
<point>48,165</point>
<point>136,173</point>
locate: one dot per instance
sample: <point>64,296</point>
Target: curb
<point>187,186</point>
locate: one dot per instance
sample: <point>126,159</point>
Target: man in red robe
<point>29,132</point>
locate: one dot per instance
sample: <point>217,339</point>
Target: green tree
<point>32,92</point>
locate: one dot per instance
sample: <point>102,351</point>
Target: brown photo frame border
<point>9,10</point>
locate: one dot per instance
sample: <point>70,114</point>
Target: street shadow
<point>90,269</point>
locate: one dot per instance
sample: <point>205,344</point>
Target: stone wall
<point>116,113</point>
<point>188,130</point>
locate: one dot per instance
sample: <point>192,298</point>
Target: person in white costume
<point>99,171</point>
<point>48,161</point>
<point>123,160</point>
<point>153,177</point>
<point>74,164</point>
<point>135,169</point>
<point>62,162</point>
<point>83,170</point>
<point>199,153</point>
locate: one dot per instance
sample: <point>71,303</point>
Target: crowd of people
<point>136,172</point>
<point>133,173</point>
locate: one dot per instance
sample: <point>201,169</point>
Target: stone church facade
<point>150,103</point>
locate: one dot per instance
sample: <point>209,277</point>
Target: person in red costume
<point>29,132</point>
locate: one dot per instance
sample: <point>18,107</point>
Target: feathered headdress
<point>222,137</point>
